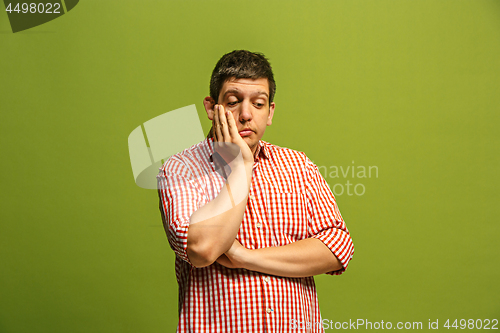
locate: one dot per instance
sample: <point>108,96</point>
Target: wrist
<point>242,170</point>
<point>248,259</point>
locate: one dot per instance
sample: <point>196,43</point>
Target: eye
<point>259,105</point>
<point>232,103</point>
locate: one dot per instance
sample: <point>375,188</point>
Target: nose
<point>245,111</point>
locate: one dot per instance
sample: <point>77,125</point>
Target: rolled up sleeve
<point>325,222</point>
<point>179,198</point>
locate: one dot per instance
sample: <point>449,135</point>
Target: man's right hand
<point>227,141</point>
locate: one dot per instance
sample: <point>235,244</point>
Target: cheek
<point>234,111</point>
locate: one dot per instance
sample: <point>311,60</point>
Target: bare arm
<point>306,257</point>
<point>214,226</point>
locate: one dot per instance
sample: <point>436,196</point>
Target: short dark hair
<point>241,64</point>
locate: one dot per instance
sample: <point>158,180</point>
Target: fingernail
<point>227,113</point>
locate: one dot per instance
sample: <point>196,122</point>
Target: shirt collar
<point>262,151</point>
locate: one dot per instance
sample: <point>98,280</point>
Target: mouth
<point>245,132</point>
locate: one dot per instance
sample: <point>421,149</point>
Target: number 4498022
<point>472,324</point>
<point>41,8</point>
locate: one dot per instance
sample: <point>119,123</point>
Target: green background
<point>411,87</point>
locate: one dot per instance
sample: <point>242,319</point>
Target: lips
<point>245,132</point>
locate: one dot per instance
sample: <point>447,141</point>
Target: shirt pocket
<point>287,217</point>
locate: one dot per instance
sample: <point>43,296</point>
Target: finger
<point>218,125</point>
<point>224,126</point>
<point>233,129</point>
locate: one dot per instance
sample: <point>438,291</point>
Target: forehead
<point>245,86</point>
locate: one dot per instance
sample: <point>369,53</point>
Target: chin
<point>249,141</point>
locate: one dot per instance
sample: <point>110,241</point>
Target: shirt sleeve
<point>325,221</point>
<point>179,198</point>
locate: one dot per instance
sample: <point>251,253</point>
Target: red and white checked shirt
<point>288,201</point>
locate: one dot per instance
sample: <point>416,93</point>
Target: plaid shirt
<point>288,201</point>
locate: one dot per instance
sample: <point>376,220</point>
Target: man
<point>251,223</point>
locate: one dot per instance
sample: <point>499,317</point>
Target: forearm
<point>306,257</point>
<point>214,226</point>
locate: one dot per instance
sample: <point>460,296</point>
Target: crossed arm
<point>305,257</point>
<point>214,239</point>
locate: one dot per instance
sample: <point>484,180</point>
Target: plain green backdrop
<point>411,87</point>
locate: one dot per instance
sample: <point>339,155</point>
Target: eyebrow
<point>237,91</point>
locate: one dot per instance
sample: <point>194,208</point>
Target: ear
<point>271,114</point>
<point>209,104</point>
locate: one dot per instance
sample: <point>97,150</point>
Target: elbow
<point>201,255</point>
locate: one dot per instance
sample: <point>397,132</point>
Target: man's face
<point>248,100</point>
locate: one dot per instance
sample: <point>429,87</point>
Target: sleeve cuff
<point>340,243</point>
<point>177,238</point>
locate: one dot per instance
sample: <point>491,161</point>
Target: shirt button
<point>269,310</point>
<point>251,197</point>
<point>259,225</point>
<point>266,279</point>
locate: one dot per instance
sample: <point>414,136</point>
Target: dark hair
<point>241,64</point>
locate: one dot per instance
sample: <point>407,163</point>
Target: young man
<point>251,223</point>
